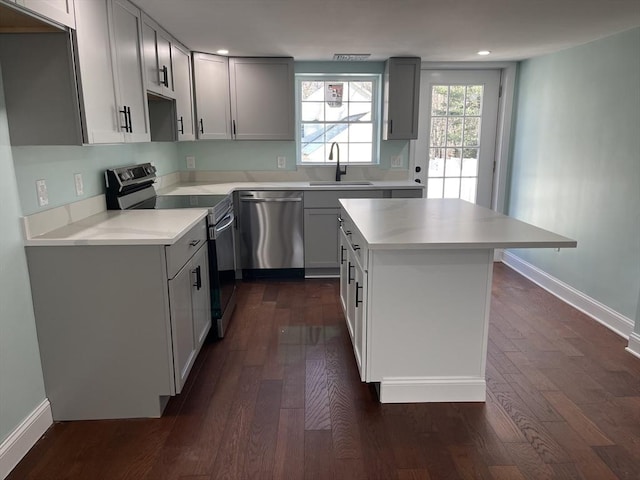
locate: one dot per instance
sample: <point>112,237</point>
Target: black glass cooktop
<point>162,202</point>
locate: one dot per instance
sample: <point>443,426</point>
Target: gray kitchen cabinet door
<point>60,11</point>
<point>200,299</point>
<point>183,92</point>
<point>126,34</point>
<point>182,334</point>
<point>101,120</point>
<point>213,110</point>
<point>320,239</point>
<point>262,98</point>
<point>401,98</point>
<point>158,63</point>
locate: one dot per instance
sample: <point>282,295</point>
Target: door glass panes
<point>338,110</point>
<point>454,141</point>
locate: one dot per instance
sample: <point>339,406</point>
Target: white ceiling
<point>436,30</point>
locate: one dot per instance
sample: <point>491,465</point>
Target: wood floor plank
<point>289,455</point>
<point>316,404</point>
<point>413,474</point>
<point>619,461</point>
<point>319,463</point>
<point>506,472</point>
<point>572,414</point>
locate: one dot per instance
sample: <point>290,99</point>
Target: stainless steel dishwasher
<point>271,234</point>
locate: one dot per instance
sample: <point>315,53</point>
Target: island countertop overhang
<point>419,224</point>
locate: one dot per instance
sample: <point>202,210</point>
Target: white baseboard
<point>432,389</point>
<point>634,344</point>
<point>20,441</point>
<point>608,317</point>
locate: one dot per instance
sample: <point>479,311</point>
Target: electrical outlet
<point>77,178</point>
<point>191,162</point>
<point>282,162</point>
<point>396,161</point>
<point>43,195</point>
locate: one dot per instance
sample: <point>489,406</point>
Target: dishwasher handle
<point>268,200</point>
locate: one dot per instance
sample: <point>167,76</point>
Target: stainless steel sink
<point>345,182</point>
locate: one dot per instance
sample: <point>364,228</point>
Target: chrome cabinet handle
<point>193,243</point>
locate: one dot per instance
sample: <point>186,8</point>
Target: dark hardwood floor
<point>280,397</point>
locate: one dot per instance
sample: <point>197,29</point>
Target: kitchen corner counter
<point>132,227</point>
<point>443,224</point>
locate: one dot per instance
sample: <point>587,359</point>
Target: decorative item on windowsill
<point>334,94</point>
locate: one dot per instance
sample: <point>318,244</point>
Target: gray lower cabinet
<point>321,240</point>
<point>119,327</point>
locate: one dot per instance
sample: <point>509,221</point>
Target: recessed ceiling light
<point>484,52</point>
<point>222,51</point>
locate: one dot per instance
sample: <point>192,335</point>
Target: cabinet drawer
<point>329,198</point>
<point>180,252</point>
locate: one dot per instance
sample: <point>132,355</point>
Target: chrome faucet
<point>339,171</point>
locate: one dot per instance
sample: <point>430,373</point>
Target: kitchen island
<point>416,289</point>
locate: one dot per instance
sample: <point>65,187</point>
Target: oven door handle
<point>218,229</point>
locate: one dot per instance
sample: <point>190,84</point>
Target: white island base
<point>415,285</point>
<point>428,322</point>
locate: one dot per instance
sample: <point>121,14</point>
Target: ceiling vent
<point>351,57</point>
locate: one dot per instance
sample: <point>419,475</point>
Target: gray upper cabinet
<point>262,98</point>
<point>126,29</point>
<point>401,98</point>
<point>60,11</point>
<point>158,63</point>
<point>182,79</point>
<point>211,75</point>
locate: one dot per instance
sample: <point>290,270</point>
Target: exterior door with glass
<point>455,149</point>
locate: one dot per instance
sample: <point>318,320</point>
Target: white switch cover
<point>77,178</point>
<point>282,162</point>
<point>396,161</point>
<point>43,195</point>
<point>191,162</point>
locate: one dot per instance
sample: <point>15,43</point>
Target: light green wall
<point>229,155</point>
<point>576,165</point>
<point>58,164</point>
<point>21,382</point>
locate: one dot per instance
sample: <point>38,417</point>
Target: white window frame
<point>376,116</point>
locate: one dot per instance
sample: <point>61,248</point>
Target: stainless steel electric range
<point>132,188</point>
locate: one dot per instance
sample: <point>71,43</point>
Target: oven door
<point>223,271</point>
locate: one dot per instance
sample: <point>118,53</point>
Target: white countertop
<point>131,227</point>
<point>226,188</point>
<point>417,223</point>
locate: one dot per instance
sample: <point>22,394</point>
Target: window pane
<point>338,132</point>
<point>360,91</point>
<point>312,91</point>
<point>451,188</point>
<point>456,100</point>
<point>360,132</point>
<point>335,114</point>
<point>438,132</point>
<point>312,111</point>
<point>452,167</point>
<point>436,163</point>
<point>454,132</point>
<point>439,100</point>
<point>359,112</point>
<point>434,187</point>
<point>314,152</point>
<point>468,189</point>
<point>471,131</point>
<point>469,166</point>
<point>360,152</point>
<point>473,102</point>
<point>312,132</point>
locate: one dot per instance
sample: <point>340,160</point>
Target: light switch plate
<point>191,162</point>
<point>43,195</point>
<point>77,178</point>
<point>282,162</point>
<point>396,161</point>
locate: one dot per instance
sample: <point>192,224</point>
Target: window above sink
<point>341,108</point>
